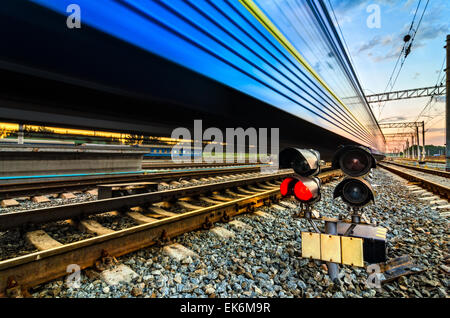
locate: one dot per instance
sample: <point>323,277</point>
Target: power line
<point>406,49</point>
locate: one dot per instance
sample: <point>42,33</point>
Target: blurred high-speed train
<point>154,151</point>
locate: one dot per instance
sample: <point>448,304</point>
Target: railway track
<point>172,165</point>
<point>196,207</point>
<point>422,169</point>
<point>437,185</point>
<point>43,187</point>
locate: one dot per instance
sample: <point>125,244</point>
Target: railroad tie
<point>223,232</point>
<point>93,192</point>
<point>263,214</point>
<point>40,199</point>
<point>218,197</point>
<point>140,218</point>
<point>158,210</point>
<point>240,225</point>
<point>428,198</point>
<point>41,240</point>
<point>178,252</point>
<point>189,206</point>
<point>67,195</point>
<point>266,187</point>
<point>289,204</point>
<point>252,188</point>
<point>244,191</point>
<point>9,203</point>
<point>276,206</point>
<point>239,195</point>
<point>439,202</point>
<point>208,200</point>
<point>92,226</point>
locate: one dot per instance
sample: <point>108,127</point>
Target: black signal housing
<point>355,192</point>
<point>354,160</point>
<point>305,162</point>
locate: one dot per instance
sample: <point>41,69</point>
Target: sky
<point>375,51</point>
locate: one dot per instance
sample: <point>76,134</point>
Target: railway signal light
<point>354,161</point>
<point>356,192</point>
<point>306,190</point>
<point>306,164</point>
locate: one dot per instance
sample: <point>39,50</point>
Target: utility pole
<point>418,143</point>
<point>411,154</point>
<point>447,108</point>
<point>407,148</point>
<point>424,154</point>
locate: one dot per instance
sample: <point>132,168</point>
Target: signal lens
<point>355,163</point>
<point>286,186</point>
<point>302,192</point>
<point>355,192</point>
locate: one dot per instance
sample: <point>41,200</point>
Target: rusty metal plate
<point>311,245</point>
<point>352,251</point>
<point>330,246</point>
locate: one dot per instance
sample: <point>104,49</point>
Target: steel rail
<point>440,173</point>
<point>39,267</point>
<point>169,165</point>
<point>22,189</point>
<point>43,266</point>
<point>84,209</point>
<point>436,188</point>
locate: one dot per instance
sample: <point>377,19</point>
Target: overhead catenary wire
<point>404,52</point>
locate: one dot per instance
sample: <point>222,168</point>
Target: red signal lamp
<point>287,186</point>
<point>301,192</point>
<point>305,190</point>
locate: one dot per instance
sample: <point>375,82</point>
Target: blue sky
<point>375,51</point>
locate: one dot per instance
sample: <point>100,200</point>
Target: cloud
<point>430,28</point>
<point>427,32</point>
<point>376,41</point>
<point>416,76</point>
<point>393,53</point>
